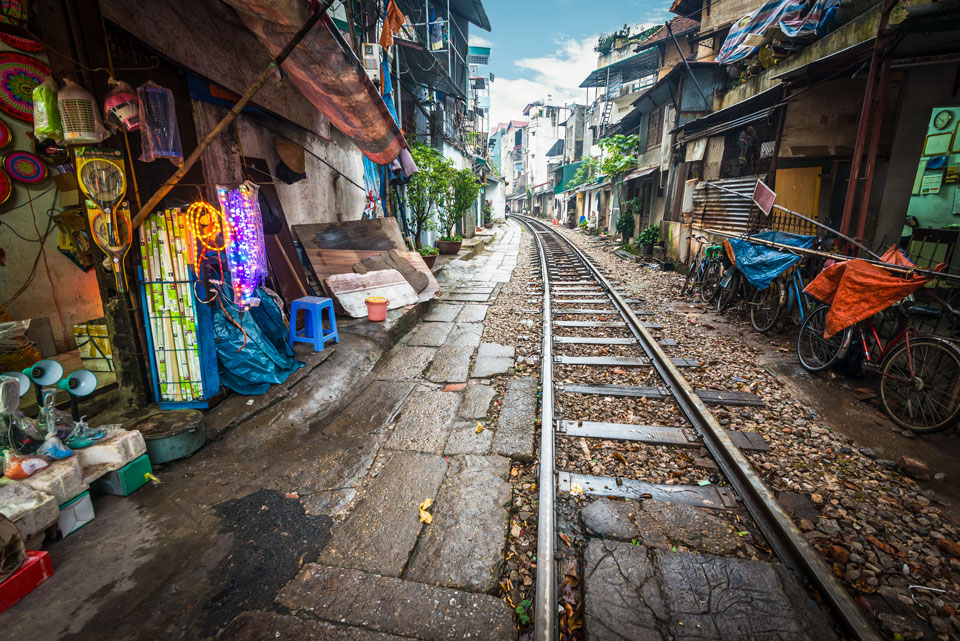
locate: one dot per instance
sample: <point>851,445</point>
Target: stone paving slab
<point>258,626</point>
<point>516,426</point>
<point>472,314</point>
<point>382,529</point>
<point>476,400</point>
<point>465,335</point>
<point>464,439</point>
<point>371,410</point>
<point>424,423</point>
<point>693,597</point>
<point>468,298</point>
<point>407,363</point>
<point>430,334</point>
<point>493,359</point>
<point>443,312</point>
<point>464,546</point>
<point>450,365</point>
<point>386,604</point>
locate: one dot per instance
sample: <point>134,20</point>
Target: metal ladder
<point>613,87</point>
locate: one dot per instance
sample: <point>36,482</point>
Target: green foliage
<point>635,205</point>
<point>487,211</point>
<point>649,235</point>
<point>619,156</point>
<point>586,172</point>
<point>625,224</point>
<point>606,41</point>
<point>583,225</point>
<point>428,251</point>
<point>461,194</point>
<point>428,187</point>
<point>521,611</point>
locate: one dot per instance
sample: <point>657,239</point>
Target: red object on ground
<point>34,571</point>
<point>856,290</point>
<point>377,308</point>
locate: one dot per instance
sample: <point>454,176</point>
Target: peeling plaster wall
<point>322,197</point>
<point>72,289</point>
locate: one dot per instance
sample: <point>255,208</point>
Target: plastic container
<point>376,308</point>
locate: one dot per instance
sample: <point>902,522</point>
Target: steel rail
<point>785,538</point>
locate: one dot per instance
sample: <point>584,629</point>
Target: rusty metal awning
<point>719,209</point>
<point>633,68</point>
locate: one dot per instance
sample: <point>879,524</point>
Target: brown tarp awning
<point>328,73</point>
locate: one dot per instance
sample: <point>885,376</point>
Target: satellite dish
<point>80,383</point>
<point>45,372</point>
<point>22,380</point>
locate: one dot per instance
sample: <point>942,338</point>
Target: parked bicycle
<point>920,373</point>
<point>784,298</point>
<point>706,270</point>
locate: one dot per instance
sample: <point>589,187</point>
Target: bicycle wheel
<point>766,305</point>
<point>726,295</point>
<point>815,352</point>
<point>710,282</point>
<point>920,388</point>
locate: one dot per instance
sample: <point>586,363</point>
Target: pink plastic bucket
<point>376,308</point>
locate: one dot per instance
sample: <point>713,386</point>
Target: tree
<point>462,191</point>
<point>586,172</point>
<point>427,188</point>
<point>619,159</point>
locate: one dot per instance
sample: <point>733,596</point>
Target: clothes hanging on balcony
<point>795,18</point>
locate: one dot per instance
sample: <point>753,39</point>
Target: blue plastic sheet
<point>795,18</point>
<point>265,360</point>
<point>762,264</point>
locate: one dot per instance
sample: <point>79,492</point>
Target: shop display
<point>159,134</point>
<point>27,45</point>
<point>46,111</point>
<point>6,136</point>
<point>244,242</point>
<point>6,187</point>
<point>25,167</point>
<point>79,115</point>
<point>19,76</point>
<point>165,245</point>
<point>100,173</point>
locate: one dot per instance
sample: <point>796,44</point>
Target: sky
<point>542,47</point>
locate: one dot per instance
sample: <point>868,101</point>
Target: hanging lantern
<point>121,107</point>
<point>243,238</point>
<point>79,115</point>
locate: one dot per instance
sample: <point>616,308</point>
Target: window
<point>654,128</point>
<point>517,138</point>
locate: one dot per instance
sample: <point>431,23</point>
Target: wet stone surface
<point>382,530</point>
<point>445,312</point>
<point>450,365</point>
<point>693,597</point>
<point>492,359</point>
<point>423,425</point>
<point>516,426</point>
<point>472,314</point>
<point>367,413</point>
<point>465,335</point>
<point>386,604</point>
<point>407,363</point>
<point>463,547</point>
<point>476,400</point>
<point>465,439</point>
<point>430,334</point>
<point>258,626</point>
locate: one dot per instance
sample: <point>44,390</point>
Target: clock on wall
<point>943,119</point>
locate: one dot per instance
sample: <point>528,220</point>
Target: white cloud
<point>558,74</point>
<point>476,40</point>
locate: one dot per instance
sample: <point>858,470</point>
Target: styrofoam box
<point>63,480</point>
<point>31,511</point>
<point>116,450</point>
<point>75,514</point>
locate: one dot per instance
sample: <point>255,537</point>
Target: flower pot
<point>376,308</point>
<point>647,249</point>
<point>488,225</point>
<point>429,260</point>
<point>449,247</point>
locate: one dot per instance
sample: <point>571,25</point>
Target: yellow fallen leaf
<point>479,427</point>
<point>426,517</point>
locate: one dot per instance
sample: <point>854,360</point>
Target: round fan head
<point>103,182</point>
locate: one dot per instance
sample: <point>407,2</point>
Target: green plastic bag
<point>46,114</point>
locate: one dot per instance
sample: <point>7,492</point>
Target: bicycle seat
<point>919,310</point>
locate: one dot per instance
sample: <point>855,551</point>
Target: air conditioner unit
<point>372,53</point>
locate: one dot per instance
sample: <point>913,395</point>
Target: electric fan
<point>102,180</point>
<point>79,116</point>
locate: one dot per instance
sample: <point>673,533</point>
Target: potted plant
<point>429,255</point>
<point>461,194</point>
<point>487,212</point>
<point>647,237</point>
<point>625,225</point>
<point>427,189</point>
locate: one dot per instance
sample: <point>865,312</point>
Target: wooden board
<point>394,260</point>
<point>351,290</point>
<point>375,234</point>
<point>326,262</point>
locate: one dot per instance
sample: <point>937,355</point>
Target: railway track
<point>585,317</point>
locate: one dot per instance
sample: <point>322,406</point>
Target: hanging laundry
<point>392,23</point>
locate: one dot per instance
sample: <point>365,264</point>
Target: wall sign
<point>937,144</point>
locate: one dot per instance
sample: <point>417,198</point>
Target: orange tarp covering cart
<point>856,289</point>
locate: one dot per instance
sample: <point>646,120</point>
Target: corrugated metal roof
<point>721,210</point>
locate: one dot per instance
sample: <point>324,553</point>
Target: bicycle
<point>705,270</point>
<point>920,374</point>
<point>769,304</point>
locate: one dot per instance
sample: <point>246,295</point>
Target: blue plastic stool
<point>314,332</point>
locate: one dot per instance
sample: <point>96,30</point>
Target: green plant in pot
<point>487,213</point>
<point>648,237</point>
<point>625,224</point>
<point>461,194</point>
<point>428,188</point>
<point>429,255</point>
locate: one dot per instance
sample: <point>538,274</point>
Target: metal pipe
<point>877,121</point>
